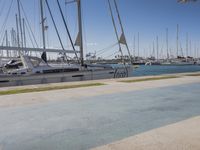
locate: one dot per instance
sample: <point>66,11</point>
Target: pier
<point>132,113</point>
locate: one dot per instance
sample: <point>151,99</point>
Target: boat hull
<point>107,73</point>
<point>178,64</point>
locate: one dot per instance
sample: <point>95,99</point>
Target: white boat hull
<point>109,73</point>
<point>178,63</point>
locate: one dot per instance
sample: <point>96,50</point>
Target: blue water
<point>159,70</point>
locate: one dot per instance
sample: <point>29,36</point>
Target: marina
<point>99,75</point>
<point>28,69</point>
<point>22,64</point>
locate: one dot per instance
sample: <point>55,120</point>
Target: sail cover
<point>122,39</point>
<point>78,40</point>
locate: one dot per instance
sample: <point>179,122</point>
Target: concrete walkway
<point>112,86</point>
<point>184,135</point>
<point>85,118</point>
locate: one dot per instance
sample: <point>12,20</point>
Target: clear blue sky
<point>148,17</point>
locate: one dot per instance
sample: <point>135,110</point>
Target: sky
<point>149,18</point>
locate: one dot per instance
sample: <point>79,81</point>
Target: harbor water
<point>159,70</point>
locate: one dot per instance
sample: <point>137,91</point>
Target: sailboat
<point>35,70</point>
<point>180,60</point>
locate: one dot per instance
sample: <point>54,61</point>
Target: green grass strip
<point>194,75</point>
<point>149,79</point>
<point>50,88</point>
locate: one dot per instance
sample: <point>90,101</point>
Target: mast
<point>167,43</point>
<point>115,28</point>
<point>157,47</point>
<point>122,29</point>
<point>177,40</point>
<point>154,54</point>
<point>190,50</point>
<point>181,50</point>
<point>187,45</point>
<point>17,26</point>
<point>138,44</point>
<point>44,55</point>
<point>24,32</point>
<point>80,31</point>
<point>134,49</point>
<point>195,51</point>
<point>20,22</point>
<point>13,38</point>
<point>67,29</point>
<point>7,44</point>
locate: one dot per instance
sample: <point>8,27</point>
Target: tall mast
<point>154,54</point>
<point>122,29</point>
<point>20,22</point>
<point>24,32</point>
<point>167,42</point>
<point>187,47</point>
<point>177,40</point>
<point>6,34</point>
<point>134,49</point>
<point>44,55</point>
<point>138,44</point>
<point>13,41</point>
<point>195,51</point>
<point>67,29</point>
<point>157,47</point>
<point>190,50</point>
<point>115,28</point>
<point>12,37</point>
<point>80,31</point>
<point>17,27</point>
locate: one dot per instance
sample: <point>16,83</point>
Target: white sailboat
<point>34,70</point>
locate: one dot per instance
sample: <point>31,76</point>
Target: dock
<point>153,112</point>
